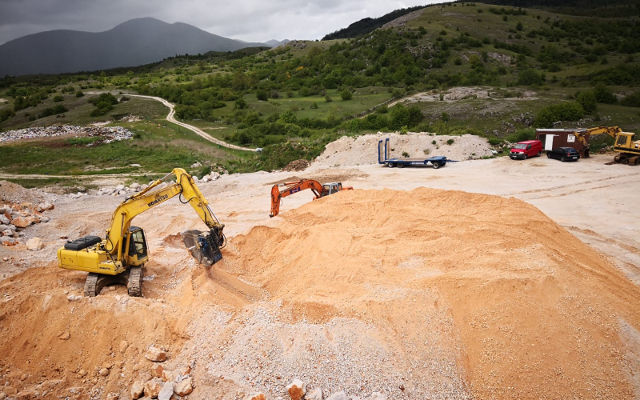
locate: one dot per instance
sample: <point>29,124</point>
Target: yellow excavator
<point>120,256</point>
<point>628,150</point>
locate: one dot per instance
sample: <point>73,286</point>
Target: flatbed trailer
<point>383,158</point>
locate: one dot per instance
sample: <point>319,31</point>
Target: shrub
<point>346,94</point>
<point>530,77</point>
<point>5,114</point>
<point>79,93</point>
<point>632,100</point>
<point>518,136</point>
<point>587,100</point>
<point>262,95</point>
<point>568,111</point>
<point>450,142</point>
<point>328,98</point>
<point>604,95</point>
<point>58,98</point>
<point>59,109</point>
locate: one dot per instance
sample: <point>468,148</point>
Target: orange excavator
<point>318,189</point>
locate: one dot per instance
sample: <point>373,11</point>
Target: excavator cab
<point>331,188</point>
<point>137,246</point>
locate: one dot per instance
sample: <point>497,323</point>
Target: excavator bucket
<point>203,246</point>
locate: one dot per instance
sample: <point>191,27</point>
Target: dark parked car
<point>564,154</point>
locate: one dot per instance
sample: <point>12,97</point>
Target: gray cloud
<point>250,20</point>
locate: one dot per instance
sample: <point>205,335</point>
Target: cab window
<point>137,245</point>
<point>622,140</point>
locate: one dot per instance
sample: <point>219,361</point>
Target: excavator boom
<point>318,189</point>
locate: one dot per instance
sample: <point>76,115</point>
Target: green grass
<point>157,146</point>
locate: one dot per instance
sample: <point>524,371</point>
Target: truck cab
<point>526,149</point>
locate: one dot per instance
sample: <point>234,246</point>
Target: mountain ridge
<point>134,42</point>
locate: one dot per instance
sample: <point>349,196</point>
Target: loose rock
<point>34,244</point>
<point>137,389</point>
<point>257,396</point>
<point>184,387</point>
<point>166,392</point>
<point>315,394</point>
<point>155,354</point>
<point>152,388</point>
<point>296,389</point>
<point>104,372</point>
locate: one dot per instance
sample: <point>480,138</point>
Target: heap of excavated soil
<point>452,287</point>
<point>363,150</point>
<point>422,294</point>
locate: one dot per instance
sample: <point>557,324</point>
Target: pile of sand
<point>363,150</point>
<point>472,288</point>
<point>421,294</point>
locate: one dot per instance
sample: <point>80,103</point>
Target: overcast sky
<point>249,20</point>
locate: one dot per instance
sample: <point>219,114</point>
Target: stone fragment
<point>338,396</point>
<point>257,396</point>
<point>104,372</point>
<point>166,392</point>
<point>123,346</point>
<point>184,387</point>
<point>296,389</point>
<point>152,387</point>
<point>82,373</point>
<point>34,244</point>
<point>315,394</point>
<point>155,354</point>
<point>21,222</point>
<point>119,187</point>
<point>64,335</point>
<point>168,375</point>
<point>157,370</point>
<point>45,206</point>
<point>73,297</point>
<point>112,396</point>
<point>137,390</point>
<point>377,396</point>
<point>4,219</point>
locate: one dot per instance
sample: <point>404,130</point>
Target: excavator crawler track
<point>134,283</point>
<point>132,279</point>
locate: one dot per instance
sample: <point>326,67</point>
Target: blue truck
<point>383,158</point>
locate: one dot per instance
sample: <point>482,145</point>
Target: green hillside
<point>530,67</point>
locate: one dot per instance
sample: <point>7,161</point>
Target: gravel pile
<point>108,134</point>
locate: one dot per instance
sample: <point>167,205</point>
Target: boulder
<point>155,354</point>
<point>196,164</point>
<point>338,396</point>
<point>4,219</point>
<point>34,244</point>
<point>184,387</point>
<point>152,387</point>
<point>137,390</point>
<point>296,389</point>
<point>119,187</point>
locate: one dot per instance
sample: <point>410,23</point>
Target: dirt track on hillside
<point>418,293</point>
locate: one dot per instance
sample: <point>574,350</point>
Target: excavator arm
<point>154,195</point>
<point>291,188</point>
<point>318,189</point>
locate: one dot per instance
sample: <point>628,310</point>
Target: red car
<point>526,149</point>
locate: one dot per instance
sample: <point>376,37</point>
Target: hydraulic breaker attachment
<point>204,247</point>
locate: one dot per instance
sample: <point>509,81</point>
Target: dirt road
<point>171,118</point>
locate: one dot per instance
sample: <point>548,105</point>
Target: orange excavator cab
<point>318,189</point>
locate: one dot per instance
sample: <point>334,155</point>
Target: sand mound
<point>534,312</point>
<point>363,150</point>
<point>421,294</point>
<point>13,193</point>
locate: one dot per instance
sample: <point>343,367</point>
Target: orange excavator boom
<point>318,189</point>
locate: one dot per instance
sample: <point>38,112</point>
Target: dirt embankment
<point>420,294</point>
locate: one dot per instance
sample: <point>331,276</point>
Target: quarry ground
<point>391,288</point>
